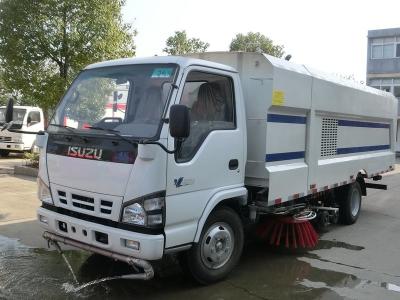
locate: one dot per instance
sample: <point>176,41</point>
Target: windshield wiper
<point>113,132</point>
<point>143,141</point>
<point>70,129</point>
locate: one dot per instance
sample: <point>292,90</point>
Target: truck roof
<point>191,59</point>
<point>182,61</point>
<point>279,63</point>
<point>304,69</point>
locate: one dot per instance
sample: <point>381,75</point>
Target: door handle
<point>233,164</point>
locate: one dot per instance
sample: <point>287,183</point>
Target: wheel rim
<point>217,245</point>
<point>355,202</point>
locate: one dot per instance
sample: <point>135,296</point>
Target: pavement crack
<point>247,291</point>
<point>335,262</point>
<point>314,256</point>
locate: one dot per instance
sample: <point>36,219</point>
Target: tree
<point>90,100</point>
<point>255,42</point>
<point>45,43</point>
<point>180,44</point>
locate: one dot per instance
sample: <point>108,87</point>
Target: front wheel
<point>219,248</point>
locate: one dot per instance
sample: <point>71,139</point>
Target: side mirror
<point>179,121</point>
<point>29,121</point>
<point>41,139</point>
<point>10,110</point>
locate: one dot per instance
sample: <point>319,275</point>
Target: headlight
<point>134,214</point>
<point>145,212</point>
<point>44,193</point>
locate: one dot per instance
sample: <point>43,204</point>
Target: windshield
<point>129,99</point>
<point>18,117</point>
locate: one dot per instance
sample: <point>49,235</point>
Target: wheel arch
<point>233,198</point>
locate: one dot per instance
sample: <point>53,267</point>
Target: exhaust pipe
<point>148,271</point>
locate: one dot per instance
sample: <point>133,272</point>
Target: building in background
<point>383,64</point>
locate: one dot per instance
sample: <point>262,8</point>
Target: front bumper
<point>11,146</point>
<point>151,246</point>
<point>148,271</point>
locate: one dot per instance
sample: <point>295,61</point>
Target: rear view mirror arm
<point>178,146</point>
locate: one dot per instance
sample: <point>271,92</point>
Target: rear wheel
<point>219,248</point>
<point>350,204</point>
<point>4,153</point>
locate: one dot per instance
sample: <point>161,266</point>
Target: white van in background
<point>25,118</point>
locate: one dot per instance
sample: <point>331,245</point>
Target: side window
<point>33,118</point>
<point>210,100</point>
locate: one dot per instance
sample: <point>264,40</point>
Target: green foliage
<point>3,93</point>
<point>180,44</point>
<point>45,43</point>
<point>32,159</point>
<point>255,42</point>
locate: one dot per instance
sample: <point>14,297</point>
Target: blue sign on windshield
<point>162,73</point>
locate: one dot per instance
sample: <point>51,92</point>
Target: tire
<point>4,153</point>
<point>350,204</point>
<point>222,236</point>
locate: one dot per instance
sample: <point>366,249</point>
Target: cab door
<point>212,158</point>
<point>33,123</point>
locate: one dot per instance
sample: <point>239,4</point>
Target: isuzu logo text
<point>85,152</point>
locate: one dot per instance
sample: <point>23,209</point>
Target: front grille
<point>82,198</point>
<point>96,204</point>
<point>62,196</point>
<point>83,206</point>
<point>5,138</point>
<point>105,207</point>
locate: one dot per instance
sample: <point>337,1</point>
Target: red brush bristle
<point>293,235</point>
<point>287,237</point>
<point>278,240</point>
<point>288,232</point>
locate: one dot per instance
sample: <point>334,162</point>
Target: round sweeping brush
<point>290,231</point>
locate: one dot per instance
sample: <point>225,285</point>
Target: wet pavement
<point>361,261</point>
<point>29,273</point>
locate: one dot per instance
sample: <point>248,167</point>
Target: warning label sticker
<point>278,97</point>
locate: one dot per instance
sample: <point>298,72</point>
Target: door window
<point>210,100</point>
<point>33,118</point>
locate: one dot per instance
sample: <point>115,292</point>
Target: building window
<point>391,85</point>
<point>396,91</point>
<point>385,48</point>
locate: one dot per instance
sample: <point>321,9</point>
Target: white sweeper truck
<point>146,157</point>
<point>25,118</point>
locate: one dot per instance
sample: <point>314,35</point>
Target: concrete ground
<point>7,163</point>
<point>361,261</point>
<point>18,203</point>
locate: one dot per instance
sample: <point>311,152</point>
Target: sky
<point>327,35</point>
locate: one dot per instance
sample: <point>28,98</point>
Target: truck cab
<point>106,181</point>
<point>25,118</point>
